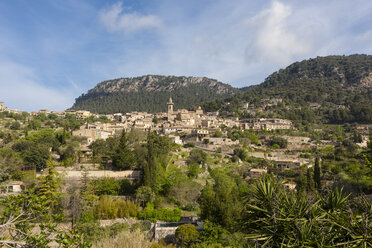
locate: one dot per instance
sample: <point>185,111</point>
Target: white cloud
<point>275,38</point>
<point>238,42</point>
<point>20,90</point>
<point>226,44</point>
<point>242,42</point>
<point>115,20</point>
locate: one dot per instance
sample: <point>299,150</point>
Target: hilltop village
<point>269,139</point>
<point>164,170</point>
<point>184,126</point>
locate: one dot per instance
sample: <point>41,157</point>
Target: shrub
<point>110,208</point>
<point>241,153</point>
<point>278,142</point>
<point>197,156</point>
<point>105,186</point>
<point>217,134</point>
<point>186,234</point>
<point>15,125</point>
<point>87,217</point>
<point>193,170</point>
<point>165,214</point>
<point>144,195</point>
<point>126,187</point>
<point>189,144</point>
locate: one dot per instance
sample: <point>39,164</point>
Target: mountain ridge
<point>341,85</point>
<point>150,93</point>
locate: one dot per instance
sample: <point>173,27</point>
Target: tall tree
<point>222,203</point>
<point>316,177</point>
<point>158,148</point>
<point>309,181</point>
<point>124,157</point>
<point>151,165</point>
<point>87,195</point>
<point>301,183</point>
<point>49,187</point>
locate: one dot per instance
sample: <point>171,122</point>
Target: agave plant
<point>276,217</point>
<point>335,201</point>
<point>353,228</point>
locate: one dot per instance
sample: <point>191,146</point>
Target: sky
<point>52,51</point>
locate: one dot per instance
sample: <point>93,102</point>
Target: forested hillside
<point>150,94</point>
<point>340,85</point>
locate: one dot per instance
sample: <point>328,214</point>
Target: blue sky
<point>53,51</point>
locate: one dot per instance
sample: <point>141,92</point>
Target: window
<point>10,189</point>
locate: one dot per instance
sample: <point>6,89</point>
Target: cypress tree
<point>150,170</point>
<point>309,181</point>
<point>317,174</point>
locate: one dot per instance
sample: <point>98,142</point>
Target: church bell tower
<point>170,109</point>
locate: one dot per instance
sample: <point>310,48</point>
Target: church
<point>184,116</point>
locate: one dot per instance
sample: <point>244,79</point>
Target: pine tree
<point>124,157</point>
<point>86,192</point>
<point>49,186</point>
<point>317,174</point>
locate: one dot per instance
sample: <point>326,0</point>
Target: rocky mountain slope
<point>150,93</point>
<point>340,85</point>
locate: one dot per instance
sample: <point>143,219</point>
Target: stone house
<point>13,187</point>
<point>268,124</point>
<point>82,114</point>
<point>255,173</point>
<point>176,139</point>
<point>222,141</point>
<point>289,164</point>
<point>92,133</point>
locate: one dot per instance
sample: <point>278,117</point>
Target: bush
<point>241,153</point>
<point>165,214</point>
<point>197,156</point>
<point>126,187</point>
<point>186,234</point>
<point>110,208</point>
<point>278,142</point>
<point>105,186</point>
<point>15,125</point>
<point>193,170</point>
<point>87,217</point>
<point>189,144</point>
<point>217,134</point>
<point>145,195</point>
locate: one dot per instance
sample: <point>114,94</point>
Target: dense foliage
<point>186,234</point>
<point>270,215</point>
<point>164,214</point>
